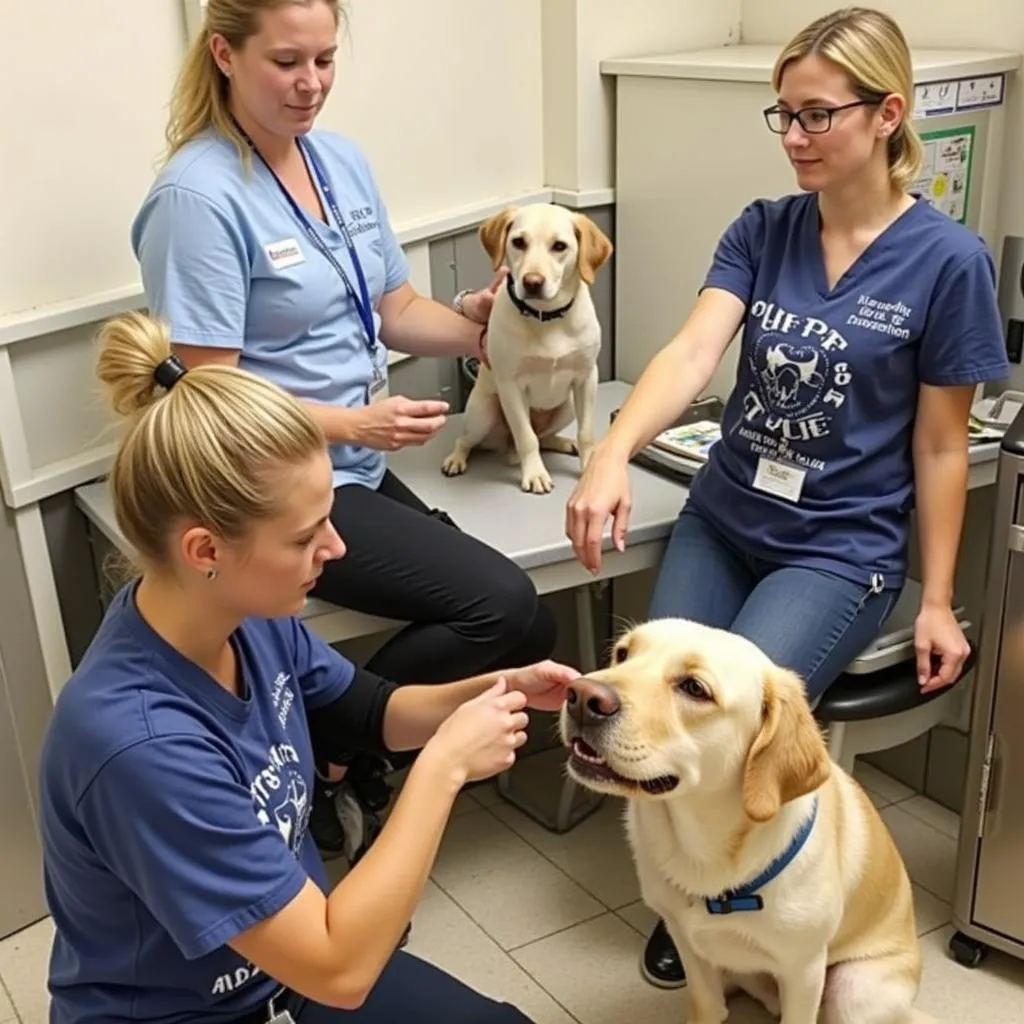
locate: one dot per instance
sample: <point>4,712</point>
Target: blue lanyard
<point>360,300</point>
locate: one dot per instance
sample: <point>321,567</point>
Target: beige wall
<point>81,121</point>
<point>445,96</point>
<point>994,24</point>
<point>579,103</point>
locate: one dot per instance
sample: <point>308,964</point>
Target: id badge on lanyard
<point>361,297</point>
<point>378,378</point>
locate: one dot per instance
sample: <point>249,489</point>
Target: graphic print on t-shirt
<point>797,384</point>
<point>279,791</point>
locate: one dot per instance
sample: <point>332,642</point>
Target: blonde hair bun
<point>131,347</point>
<point>211,450</point>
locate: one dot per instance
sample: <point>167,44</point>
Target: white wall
<point>445,96</point>
<point>82,98</point>
<point>992,24</point>
<point>579,103</point>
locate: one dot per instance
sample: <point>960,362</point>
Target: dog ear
<point>494,235</point>
<point>595,248</point>
<point>788,757</point>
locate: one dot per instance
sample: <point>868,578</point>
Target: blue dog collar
<point>747,897</point>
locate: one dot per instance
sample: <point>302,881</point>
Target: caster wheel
<point>967,952</point>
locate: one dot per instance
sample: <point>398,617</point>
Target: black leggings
<point>470,610</point>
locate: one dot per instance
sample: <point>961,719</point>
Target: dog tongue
<point>658,786</point>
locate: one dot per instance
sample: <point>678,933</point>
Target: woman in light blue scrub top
<point>265,244</point>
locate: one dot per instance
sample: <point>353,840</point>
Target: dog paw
<point>538,481</point>
<point>454,465</point>
<point>562,445</point>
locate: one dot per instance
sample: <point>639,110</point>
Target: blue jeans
<point>809,621</point>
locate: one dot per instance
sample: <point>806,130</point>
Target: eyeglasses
<point>813,120</point>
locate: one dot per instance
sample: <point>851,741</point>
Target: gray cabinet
<point>989,903</point>
<point>21,900</point>
<point>24,711</point>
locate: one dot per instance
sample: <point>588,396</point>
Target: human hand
<point>398,422</point>
<point>480,738</point>
<point>477,305</point>
<point>939,639</point>
<point>544,684</point>
<point>602,491</point>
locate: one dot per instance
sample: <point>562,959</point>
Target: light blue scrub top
<point>227,264</point>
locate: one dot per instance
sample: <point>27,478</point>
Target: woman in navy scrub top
<point>178,767</point>
<point>265,244</point>
<point>868,318</point>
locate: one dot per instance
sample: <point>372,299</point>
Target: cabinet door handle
<point>1015,539</point>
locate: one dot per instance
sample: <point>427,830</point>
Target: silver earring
<point>211,574</point>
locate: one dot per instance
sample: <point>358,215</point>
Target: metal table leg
<point>574,802</point>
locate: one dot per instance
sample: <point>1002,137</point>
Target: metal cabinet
<point>21,895</point>
<point>988,907</point>
<point>25,707</point>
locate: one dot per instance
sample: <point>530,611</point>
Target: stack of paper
<point>691,441</point>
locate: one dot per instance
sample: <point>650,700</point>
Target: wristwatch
<point>458,300</point>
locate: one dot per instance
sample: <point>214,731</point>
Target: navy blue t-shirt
<point>174,817</point>
<point>814,467</point>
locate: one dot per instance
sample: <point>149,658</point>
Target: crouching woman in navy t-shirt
<point>868,317</point>
<point>178,769</point>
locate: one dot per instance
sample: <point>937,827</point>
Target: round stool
<point>867,712</point>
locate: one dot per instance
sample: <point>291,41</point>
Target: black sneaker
<point>661,964</point>
<point>324,825</point>
<point>360,829</point>
<point>366,776</point>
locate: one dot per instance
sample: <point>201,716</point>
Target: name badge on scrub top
<point>284,254</point>
<point>782,479</point>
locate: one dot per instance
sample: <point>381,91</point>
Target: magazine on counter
<point>690,441</point>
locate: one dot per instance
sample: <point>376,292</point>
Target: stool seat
<point>890,691</point>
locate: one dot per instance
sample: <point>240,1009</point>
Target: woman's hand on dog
<point>477,305</point>
<point>544,684</point>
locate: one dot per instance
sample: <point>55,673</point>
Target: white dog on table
<point>543,339</point>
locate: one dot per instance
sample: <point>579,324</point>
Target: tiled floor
<point>554,923</point>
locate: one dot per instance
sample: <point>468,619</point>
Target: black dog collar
<point>543,315</point>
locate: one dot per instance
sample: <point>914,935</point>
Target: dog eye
<point>559,246</point>
<point>519,243</point>
<point>693,688</point>
<point>619,655</point>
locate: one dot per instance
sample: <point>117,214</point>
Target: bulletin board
<point>944,179</point>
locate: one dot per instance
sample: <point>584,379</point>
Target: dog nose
<point>591,702</point>
<point>533,283</point>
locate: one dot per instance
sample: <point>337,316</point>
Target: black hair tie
<point>169,372</point>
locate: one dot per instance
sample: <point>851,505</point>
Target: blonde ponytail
<point>207,450</point>
<point>906,154</point>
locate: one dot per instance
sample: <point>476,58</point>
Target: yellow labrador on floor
<point>543,340</point>
<point>770,867</point>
